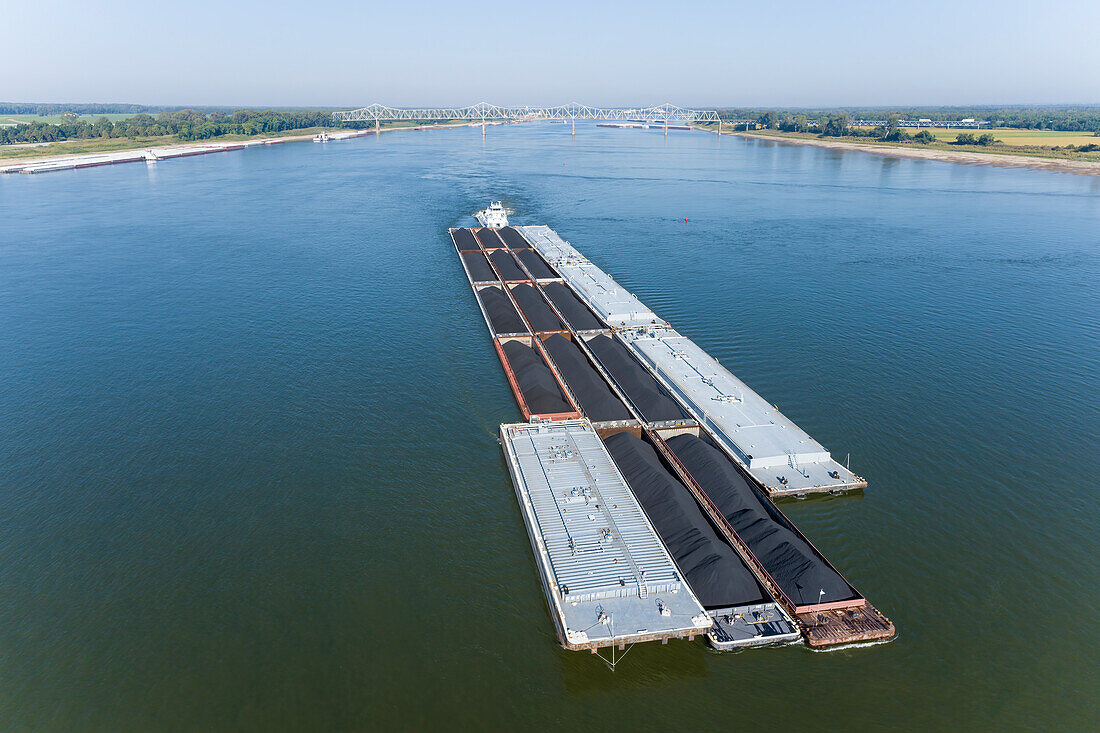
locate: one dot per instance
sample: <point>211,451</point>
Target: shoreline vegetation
<point>1050,138</point>
<point>54,151</point>
<point>186,125</point>
<point>1009,156</point>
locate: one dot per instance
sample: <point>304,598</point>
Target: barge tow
<point>632,425</point>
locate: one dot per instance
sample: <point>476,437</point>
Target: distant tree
<point>102,127</point>
<point>965,138</point>
<point>924,137</point>
<point>892,127</point>
<point>836,125</point>
<point>986,139</point>
<point>769,119</point>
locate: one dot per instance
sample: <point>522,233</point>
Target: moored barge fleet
<point>646,472</point>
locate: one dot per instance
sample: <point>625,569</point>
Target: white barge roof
<point>608,577</point>
<point>610,301</point>
<point>548,244</point>
<point>777,452</point>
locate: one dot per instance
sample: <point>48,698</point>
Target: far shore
<point>1080,167</point>
<point>31,158</point>
<point>165,142</point>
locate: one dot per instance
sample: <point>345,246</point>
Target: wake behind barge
<point>702,455</point>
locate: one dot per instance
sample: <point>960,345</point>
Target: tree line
<point>1067,119</point>
<point>840,125</point>
<point>185,124</point>
<point>44,109</point>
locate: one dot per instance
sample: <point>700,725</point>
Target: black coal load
<point>710,565</point>
<point>502,314</point>
<point>478,267</point>
<point>535,264</point>
<point>798,570</point>
<point>597,400</point>
<point>489,239</point>
<point>638,384</point>
<point>576,312</point>
<point>506,265</point>
<point>539,313</point>
<point>513,239</point>
<point>540,390</point>
<point>464,240</point>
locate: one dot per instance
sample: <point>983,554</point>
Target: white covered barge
<point>779,454</point>
<point>608,579</point>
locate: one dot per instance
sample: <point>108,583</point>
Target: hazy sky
<point>421,52</point>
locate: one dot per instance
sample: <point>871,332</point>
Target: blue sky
<point>340,53</point>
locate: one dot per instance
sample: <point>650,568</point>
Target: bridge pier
<point>574,121</point>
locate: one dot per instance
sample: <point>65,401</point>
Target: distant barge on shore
<point>646,125</point>
<point>152,155</point>
<point>636,434</point>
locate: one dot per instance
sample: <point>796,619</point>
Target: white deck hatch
<point>606,573</point>
<point>777,452</point>
<point>610,301</point>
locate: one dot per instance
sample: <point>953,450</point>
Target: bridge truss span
<point>484,112</point>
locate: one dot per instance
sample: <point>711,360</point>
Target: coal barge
<point>701,454</point>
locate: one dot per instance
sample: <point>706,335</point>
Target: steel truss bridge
<point>484,112</point>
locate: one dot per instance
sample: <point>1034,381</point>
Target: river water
<point>249,475</point>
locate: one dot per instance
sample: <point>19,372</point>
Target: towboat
<point>492,217</point>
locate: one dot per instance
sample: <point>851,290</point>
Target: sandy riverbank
<point>31,159</point>
<point>1080,167</point>
<point>62,161</point>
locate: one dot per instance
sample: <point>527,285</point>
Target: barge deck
<point>779,454</point>
<point>608,579</point>
<point>590,353</point>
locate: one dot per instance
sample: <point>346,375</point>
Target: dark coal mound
<point>540,390</point>
<point>538,311</point>
<point>597,400</point>
<point>710,566</point>
<point>798,570</point>
<point>513,239</point>
<point>506,265</point>
<point>571,307</point>
<point>489,239</point>
<point>478,267</point>
<point>502,314</point>
<point>535,264</point>
<point>464,240</point>
<point>632,378</point>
